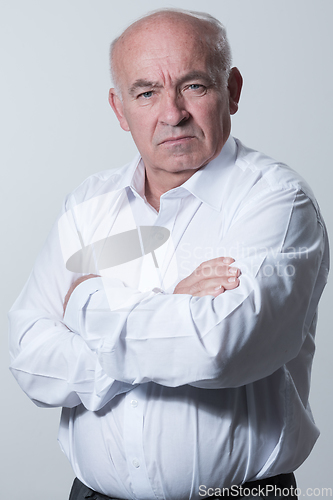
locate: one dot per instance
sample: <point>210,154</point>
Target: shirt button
<point>134,403</point>
<point>136,463</point>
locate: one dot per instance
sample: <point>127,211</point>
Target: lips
<point>176,140</point>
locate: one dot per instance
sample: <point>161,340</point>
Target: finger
<point>231,283</point>
<point>206,286</point>
<point>212,286</point>
<point>227,282</point>
<point>218,269</point>
<point>217,261</point>
<point>234,271</point>
<point>210,291</point>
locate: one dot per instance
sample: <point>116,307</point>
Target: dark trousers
<point>280,487</point>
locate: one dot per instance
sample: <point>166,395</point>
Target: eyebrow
<point>196,75</point>
<point>141,83</point>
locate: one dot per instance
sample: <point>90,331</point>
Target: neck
<point>156,185</point>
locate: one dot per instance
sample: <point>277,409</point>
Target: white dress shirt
<point>164,393</point>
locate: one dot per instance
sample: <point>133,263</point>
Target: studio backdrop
<point>57,128</point>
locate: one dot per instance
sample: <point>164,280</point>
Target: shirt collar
<point>130,175</point>
<point>207,184</point>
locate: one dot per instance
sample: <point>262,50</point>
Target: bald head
<point>200,28</point>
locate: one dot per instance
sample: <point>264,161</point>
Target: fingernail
<point>218,288</point>
<point>233,270</point>
<point>232,280</point>
<point>227,260</point>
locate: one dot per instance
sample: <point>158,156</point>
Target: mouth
<point>174,141</point>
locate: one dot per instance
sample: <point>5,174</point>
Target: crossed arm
<point>208,337</point>
<point>212,277</point>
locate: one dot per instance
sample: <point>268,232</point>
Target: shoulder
<point>102,183</point>
<point>274,173</point>
<point>263,174</point>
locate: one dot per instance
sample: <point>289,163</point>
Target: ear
<point>235,83</point>
<point>117,106</point>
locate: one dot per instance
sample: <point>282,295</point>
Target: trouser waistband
<point>282,486</point>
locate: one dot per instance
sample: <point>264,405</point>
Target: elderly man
<point>191,280</point>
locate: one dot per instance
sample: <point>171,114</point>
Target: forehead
<point>162,48</point>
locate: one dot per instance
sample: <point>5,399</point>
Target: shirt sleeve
<point>54,366</point>
<point>240,336</point>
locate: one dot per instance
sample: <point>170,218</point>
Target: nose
<point>173,111</point>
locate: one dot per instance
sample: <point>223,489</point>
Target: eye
<point>146,95</point>
<point>196,89</point>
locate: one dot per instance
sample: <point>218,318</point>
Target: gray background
<point>57,128</point>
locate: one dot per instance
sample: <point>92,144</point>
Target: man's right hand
<point>210,278</point>
<point>75,284</point>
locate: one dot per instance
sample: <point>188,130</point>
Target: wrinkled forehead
<point>179,40</point>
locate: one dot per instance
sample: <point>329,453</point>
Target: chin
<point>187,162</point>
<point>183,167</point>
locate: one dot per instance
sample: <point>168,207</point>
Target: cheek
<point>213,126</point>
<point>209,115</point>
<point>142,133</point>
<point>141,124</point>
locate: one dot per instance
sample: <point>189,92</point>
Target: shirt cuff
<point>78,300</point>
<point>116,297</point>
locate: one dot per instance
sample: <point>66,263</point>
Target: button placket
<point>133,441</point>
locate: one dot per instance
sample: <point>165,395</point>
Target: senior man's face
<point>173,102</point>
